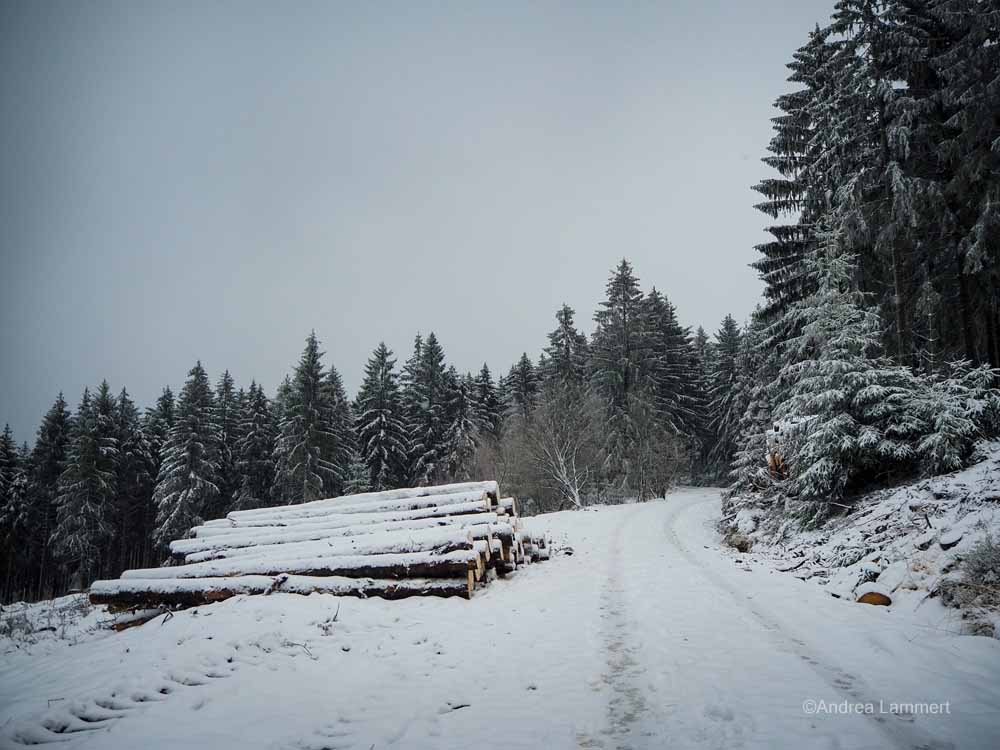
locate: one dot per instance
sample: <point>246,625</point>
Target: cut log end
<point>875,597</point>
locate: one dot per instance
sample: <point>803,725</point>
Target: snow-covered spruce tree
<point>48,462</point>
<point>135,480</point>
<point>522,388</point>
<point>409,393</point>
<point>345,445</point>
<point>12,527</point>
<point>893,128</point>
<point>846,404</point>
<point>9,461</point>
<point>798,192</point>
<point>157,423</point>
<point>187,482</point>
<point>956,408</point>
<point>667,369</point>
<point>885,115</point>
<point>567,352</point>
<point>756,389</point>
<point>380,422</point>
<point>703,351</point>
<point>463,433</point>
<point>305,467</point>
<point>619,341</point>
<point>282,397</point>
<point>87,489</point>
<point>426,398</point>
<point>724,407</point>
<point>967,68</point>
<point>227,419</point>
<point>255,451</point>
<point>617,349</point>
<point>704,355</point>
<point>487,406</point>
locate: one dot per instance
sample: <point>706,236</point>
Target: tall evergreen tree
<point>426,395</point>
<point>703,351</point>
<point>157,423</point>
<point>134,480</point>
<point>619,350</point>
<point>755,392</point>
<point>619,340</point>
<point>227,420</point>
<point>567,351</point>
<point>49,459</point>
<point>380,422</point>
<point>487,406</point>
<point>344,449</point>
<point>255,451</point>
<point>188,478</point>
<point>724,406</point>
<point>12,528</point>
<point>462,436</point>
<point>87,489</point>
<point>799,191</point>
<point>844,403</point>
<point>282,398</point>
<point>667,369</point>
<point>305,465</point>
<point>968,93</point>
<point>523,388</point>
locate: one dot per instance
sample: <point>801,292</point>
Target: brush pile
<point>423,541</point>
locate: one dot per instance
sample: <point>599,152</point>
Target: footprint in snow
<point>61,721</point>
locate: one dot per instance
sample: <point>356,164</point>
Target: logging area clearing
<point>643,630</point>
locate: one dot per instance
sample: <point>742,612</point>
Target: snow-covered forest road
<point>648,636</point>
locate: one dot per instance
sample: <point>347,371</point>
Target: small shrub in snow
<point>16,626</point>
<point>982,563</point>
<point>977,585</point>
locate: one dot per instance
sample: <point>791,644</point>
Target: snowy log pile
<point>424,541</point>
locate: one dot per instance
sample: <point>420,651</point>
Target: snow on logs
<point>447,540</point>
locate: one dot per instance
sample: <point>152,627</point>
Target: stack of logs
<point>424,541</point>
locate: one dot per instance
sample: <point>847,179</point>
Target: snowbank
<point>908,540</point>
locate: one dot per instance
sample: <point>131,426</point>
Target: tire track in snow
<point>627,702</point>
<point>900,731</point>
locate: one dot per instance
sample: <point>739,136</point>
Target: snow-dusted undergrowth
<point>43,626</point>
<point>908,542</point>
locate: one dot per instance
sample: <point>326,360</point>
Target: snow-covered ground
<point>906,542</point>
<point>650,635</point>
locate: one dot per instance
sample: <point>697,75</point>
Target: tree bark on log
<point>191,593</point>
<point>272,535</point>
<point>436,539</point>
<point>339,520</point>
<point>417,497</point>
<point>402,565</point>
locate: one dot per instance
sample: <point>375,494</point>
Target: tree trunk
<point>404,565</point>
<point>963,304</point>
<point>903,354</point>
<point>992,320</point>
<point>123,594</point>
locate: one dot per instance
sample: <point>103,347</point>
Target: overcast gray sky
<point>213,179</point>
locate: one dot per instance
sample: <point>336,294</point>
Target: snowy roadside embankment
<point>906,544</point>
